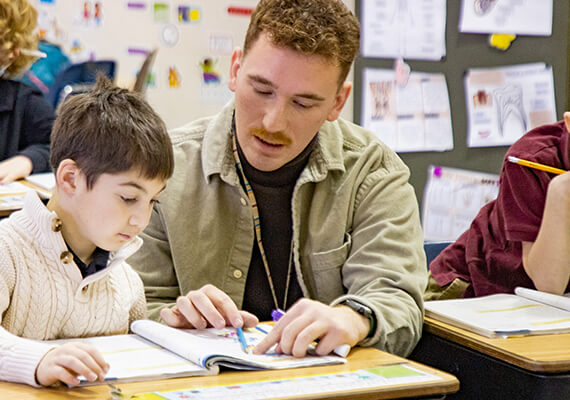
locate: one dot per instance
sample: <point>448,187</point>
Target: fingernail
<point>91,376</point>
<point>238,322</point>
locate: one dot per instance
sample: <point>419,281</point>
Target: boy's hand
<point>207,306</point>
<point>66,362</point>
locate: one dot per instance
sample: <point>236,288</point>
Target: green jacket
<point>356,227</point>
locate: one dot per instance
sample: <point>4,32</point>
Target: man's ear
<point>67,176</point>
<point>340,101</point>
<point>234,68</point>
<point>567,120</point>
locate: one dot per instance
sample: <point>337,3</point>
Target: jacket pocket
<point>327,271</point>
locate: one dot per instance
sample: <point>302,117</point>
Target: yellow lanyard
<point>257,225</point>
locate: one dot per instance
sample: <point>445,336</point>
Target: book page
<point>553,300</point>
<point>132,358</point>
<point>500,315</point>
<point>208,347</point>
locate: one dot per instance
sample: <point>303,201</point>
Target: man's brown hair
<point>111,130</point>
<point>314,27</point>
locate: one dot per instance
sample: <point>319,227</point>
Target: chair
<point>78,78</point>
<point>432,249</point>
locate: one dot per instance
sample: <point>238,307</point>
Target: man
<point>275,203</point>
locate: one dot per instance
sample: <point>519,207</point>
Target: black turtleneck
<point>273,191</point>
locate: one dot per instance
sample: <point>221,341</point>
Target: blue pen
<point>341,350</point>
<point>242,341</point>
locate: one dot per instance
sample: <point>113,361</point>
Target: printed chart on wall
<point>523,17</point>
<point>414,116</point>
<point>505,102</point>
<point>412,29</point>
<point>452,198</point>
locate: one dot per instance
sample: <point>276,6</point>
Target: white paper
<point>414,117</point>
<point>522,17</point>
<point>44,180</point>
<point>500,315</point>
<point>452,198</point>
<point>503,103</point>
<point>413,29</point>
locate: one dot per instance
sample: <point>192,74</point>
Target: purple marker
<point>277,314</point>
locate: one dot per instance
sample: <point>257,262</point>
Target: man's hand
<point>309,320</point>
<point>207,307</point>
<point>13,168</point>
<point>66,362</point>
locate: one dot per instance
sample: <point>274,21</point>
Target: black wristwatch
<point>363,310</point>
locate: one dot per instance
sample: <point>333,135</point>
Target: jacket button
<point>56,224</point>
<point>66,257</point>
<point>243,202</point>
<point>237,274</point>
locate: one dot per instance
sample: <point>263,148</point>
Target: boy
<point>62,266</point>
<point>521,238</point>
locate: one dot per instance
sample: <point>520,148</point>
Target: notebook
<point>156,351</point>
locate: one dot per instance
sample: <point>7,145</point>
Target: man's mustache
<point>270,137</point>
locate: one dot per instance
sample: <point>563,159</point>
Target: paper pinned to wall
<point>452,198</point>
<point>413,29</point>
<point>522,17</point>
<point>505,102</point>
<point>413,117</point>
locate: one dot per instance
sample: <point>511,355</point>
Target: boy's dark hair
<point>111,130</point>
<point>314,27</point>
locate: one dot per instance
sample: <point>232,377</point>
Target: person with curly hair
<point>26,118</point>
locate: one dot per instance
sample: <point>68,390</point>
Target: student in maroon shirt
<point>523,237</point>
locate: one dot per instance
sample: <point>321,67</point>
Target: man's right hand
<point>68,361</point>
<point>207,307</point>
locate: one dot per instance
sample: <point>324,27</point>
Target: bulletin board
<point>464,51</point>
<point>194,38</point>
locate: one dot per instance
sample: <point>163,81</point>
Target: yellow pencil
<point>535,165</point>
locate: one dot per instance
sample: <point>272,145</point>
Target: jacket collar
<point>217,156</point>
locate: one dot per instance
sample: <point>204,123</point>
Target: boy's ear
<point>67,176</point>
<point>567,120</point>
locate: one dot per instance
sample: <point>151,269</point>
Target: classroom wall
<point>466,51</point>
<point>126,29</point>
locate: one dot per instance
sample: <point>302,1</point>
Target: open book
<point>157,351</point>
<point>527,312</point>
<point>12,194</point>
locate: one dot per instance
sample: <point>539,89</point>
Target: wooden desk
<point>534,367</point>
<point>359,358</point>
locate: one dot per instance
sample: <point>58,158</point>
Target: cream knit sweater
<point>43,295</point>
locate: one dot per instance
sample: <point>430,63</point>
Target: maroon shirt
<point>489,254</point>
